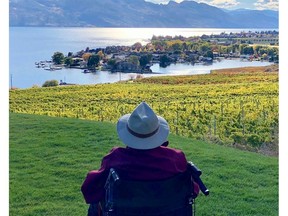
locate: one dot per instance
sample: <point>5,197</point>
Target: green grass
<point>50,157</point>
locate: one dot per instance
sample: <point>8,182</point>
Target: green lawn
<point>50,157</point>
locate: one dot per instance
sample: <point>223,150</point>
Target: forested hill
<point>134,13</point>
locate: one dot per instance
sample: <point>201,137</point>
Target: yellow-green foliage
<point>223,107</point>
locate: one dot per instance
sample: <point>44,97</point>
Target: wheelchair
<point>168,197</point>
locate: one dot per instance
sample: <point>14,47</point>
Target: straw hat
<point>142,129</point>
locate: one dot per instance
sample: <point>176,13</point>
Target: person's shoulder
<point>176,154</point>
<point>171,149</point>
<point>116,150</point>
<point>114,153</point>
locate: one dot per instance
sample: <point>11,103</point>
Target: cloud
<point>216,3</point>
<point>163,1</point>
<point>267,4</point>
<point>221,3</point>
<point>258,4</point>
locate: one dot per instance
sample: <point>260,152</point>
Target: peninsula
<point>138,58</point>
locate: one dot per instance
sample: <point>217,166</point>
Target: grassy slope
<point>50,156</point>
<point>235,106</point>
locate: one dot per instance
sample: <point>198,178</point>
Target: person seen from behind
<point>145,157</point>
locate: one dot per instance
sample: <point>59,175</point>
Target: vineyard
<point>238,107</point>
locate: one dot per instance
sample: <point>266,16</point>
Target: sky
<point>234,4</point>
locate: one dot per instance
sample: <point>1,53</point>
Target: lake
<point>28,45</point>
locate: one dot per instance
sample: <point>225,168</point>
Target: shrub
<point>254,140</point>
<point>50,83</point>
<point>238,138</point>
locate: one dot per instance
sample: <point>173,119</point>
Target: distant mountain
<point>134,13</point>
<point>263,18</point>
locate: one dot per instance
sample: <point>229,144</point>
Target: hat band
<point>142,135</point>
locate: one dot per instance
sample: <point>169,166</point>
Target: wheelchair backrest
<point>148,197</point>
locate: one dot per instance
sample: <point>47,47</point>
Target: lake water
<point>28,45</point>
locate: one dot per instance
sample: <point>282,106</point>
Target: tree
<point>164,61</point>
<point>134,60</point>
<point>68,61</point>
<point>205,47</point>
<point>93,61</point>
<point>241,47</point>
<point>101,54</point>
<point>145,59</point>
<point>263,51</point>
<point>185,46</point>
<point>111,62</point>
<point>50,83</point>
<point>195,46</point>
<point>58,58</point>
<point>248,50</point>
<point>209,54</point>
<point>235,48</point>
<point>86,56</point>
<point>257,48</point>
<point>175,45</point>
<point>272,51</point>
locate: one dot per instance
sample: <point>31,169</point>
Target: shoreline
<point>26,75</point>
<point>134,76</point>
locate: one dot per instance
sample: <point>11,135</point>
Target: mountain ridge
<point>136,13</point>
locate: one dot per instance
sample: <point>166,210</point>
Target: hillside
<point>136,13</point>
<point>236,107</point>
<point>50,157</point>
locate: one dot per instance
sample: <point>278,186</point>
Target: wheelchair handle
<point>114,175</point>
<point>196,172</point>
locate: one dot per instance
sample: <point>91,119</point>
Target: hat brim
<point>142,143</point>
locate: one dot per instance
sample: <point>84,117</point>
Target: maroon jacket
<point>153,164</point>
